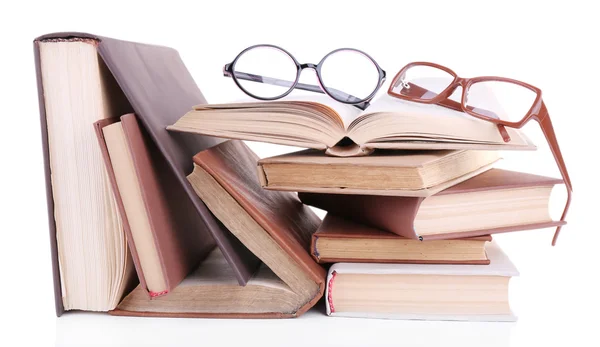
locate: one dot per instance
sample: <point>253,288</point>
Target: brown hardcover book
<point>340,240</point>
<point>321,123</point>
<point>395,173</point>
<point>158,219</point>
<point>84,78</point>
<point>493,202</point>
<point>275,226</point>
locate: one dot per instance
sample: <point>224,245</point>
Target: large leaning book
<point>421,291</point>
<point>341,240</point>
<point>397,173</point>
<point>158,219</point>
<point>84,78</point>
<point>495,201</point>
<point>321,123</point>
<point>274,226</point>
<point>89,249</point>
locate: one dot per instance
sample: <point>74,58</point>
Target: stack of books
<point>152,212</point>
<point>410,214</point>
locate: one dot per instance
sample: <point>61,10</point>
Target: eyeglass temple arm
<point>454,105</point>
<point>303,86</point>
<point>543,119</point>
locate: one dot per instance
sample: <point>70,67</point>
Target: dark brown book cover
<point>160,89</point>
<point>173,220</point>
<point>334,227</point>
<point>397,213</point>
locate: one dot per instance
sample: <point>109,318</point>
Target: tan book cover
<point>389,173</point>
<point>341,240</point>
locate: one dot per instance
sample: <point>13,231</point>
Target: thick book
<point>84,78</point>
<point>341,240</point>
<point>275,226</point>
<point>321,123</point>
<point>158,218</point>
<point>495,201</point>
<point>423,291</point>
<point>396,173</point>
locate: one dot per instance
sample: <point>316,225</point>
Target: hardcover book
<point>423,291</point>
<point>159,220</point>
<point>321,123</point>
<point>275,226</point>
<point>395,173</point>
<point>341,240</point>
<point>495,201</point>
<point>84,78</point>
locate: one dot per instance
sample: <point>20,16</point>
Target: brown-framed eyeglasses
<point>502,101</point>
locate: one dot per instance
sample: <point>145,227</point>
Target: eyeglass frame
<point>228,71</point>
<point>537,112</point>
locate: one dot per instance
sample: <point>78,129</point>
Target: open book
<point>343,130</point>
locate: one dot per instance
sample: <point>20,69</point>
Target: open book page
<point>314,121</point>
<point>343,114</point>
<point>390,119</point>
<point>347,113</point>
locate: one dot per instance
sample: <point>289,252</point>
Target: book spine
<point>315,252</point>
<point>330,291</point>
<point>157,294</point>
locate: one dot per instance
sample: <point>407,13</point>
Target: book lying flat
<point>495,201</point>
<point>321,123</point>
<point>341,240</point>
<point>396,173</point>
<point>158,219</point>
<point>423,291</point>
<point>274,226</point>
<point>84,78</point>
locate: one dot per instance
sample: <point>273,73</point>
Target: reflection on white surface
<point>312,329</point>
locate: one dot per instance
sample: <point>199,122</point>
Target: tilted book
<point>274,226</point>
<point>495,201</point>
<point>321,123</point>
<point>158,218</point>
<point>84,78</point>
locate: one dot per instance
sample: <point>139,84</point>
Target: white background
<point>545,44</point>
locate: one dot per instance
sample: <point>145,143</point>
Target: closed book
<point>341,240</point>
<point>423,291</point>
<point>493,202</point>
<point>275,226</point>
<point>158,219</point>
<point>389,173</point>
<point>84,78</point>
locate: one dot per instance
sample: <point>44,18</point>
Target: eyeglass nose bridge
<point>459,82</point>
<point>462,82</point>
<point>308,66</point>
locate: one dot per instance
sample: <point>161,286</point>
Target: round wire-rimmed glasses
<point>268,72</point>
<point>503,101</point>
